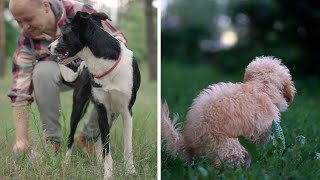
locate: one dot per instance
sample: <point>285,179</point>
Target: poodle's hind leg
<point>232,153</point>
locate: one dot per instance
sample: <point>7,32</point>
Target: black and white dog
<point>113,80</point>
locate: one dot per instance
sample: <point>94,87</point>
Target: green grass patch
<point>83,166</point>
<point>181,83</point>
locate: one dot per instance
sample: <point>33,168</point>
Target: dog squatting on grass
<point>223,112</point>
<point>112,93</point>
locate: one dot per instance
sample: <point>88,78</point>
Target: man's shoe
<point>55,144</point>
<point>85,143</point>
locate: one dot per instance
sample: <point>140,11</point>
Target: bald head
<point>36,2</point>
<point>33,16</point>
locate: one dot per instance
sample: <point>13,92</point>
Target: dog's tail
<point>170,134</point>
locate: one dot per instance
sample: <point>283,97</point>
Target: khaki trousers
<point>47,84</point>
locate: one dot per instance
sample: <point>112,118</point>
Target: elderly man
<point>34,70</point>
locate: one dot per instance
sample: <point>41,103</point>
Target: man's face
<point>31,16</point>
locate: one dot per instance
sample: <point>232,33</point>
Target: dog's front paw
<point>108,166</point>
<point>67,160</point>
<point>98,149</point>
<point>132,170</point>
<point>107,173</point>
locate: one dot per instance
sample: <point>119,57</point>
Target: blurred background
<point>223,36</point>
<point>231,32</point>
<point>137,19</point>
<point>210,41</point>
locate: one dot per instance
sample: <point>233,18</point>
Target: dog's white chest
<point>114,100</point>
<point>116,89</point>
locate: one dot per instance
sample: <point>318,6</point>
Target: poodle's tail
<point>170,134</point>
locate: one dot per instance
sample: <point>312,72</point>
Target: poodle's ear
<point>289,91</point>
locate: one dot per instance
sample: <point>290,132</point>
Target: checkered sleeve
<point>21,90</point>
<point>116,33</point>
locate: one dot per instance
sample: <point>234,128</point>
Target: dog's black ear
<point>84,15</point>
<point>100,16</point>
<point>80,19</point>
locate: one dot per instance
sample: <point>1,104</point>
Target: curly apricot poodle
<point>224,111</point>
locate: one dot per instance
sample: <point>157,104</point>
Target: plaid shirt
<point>31,50</point>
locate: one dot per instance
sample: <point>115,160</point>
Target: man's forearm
<point>21,121</point>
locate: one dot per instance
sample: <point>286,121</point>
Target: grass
<point>181,83</point>
<point>84,166</point>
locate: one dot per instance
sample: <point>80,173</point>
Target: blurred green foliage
<point>285,29</point>
<point>12,34</point>
<point>132,23</point>
<point>184,25</point>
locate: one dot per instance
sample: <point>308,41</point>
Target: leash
<point>107,72</point>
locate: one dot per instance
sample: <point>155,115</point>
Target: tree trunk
<point>2,41</point>
<point>151,43</point>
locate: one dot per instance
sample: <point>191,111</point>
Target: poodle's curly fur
<point>224,111</point>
